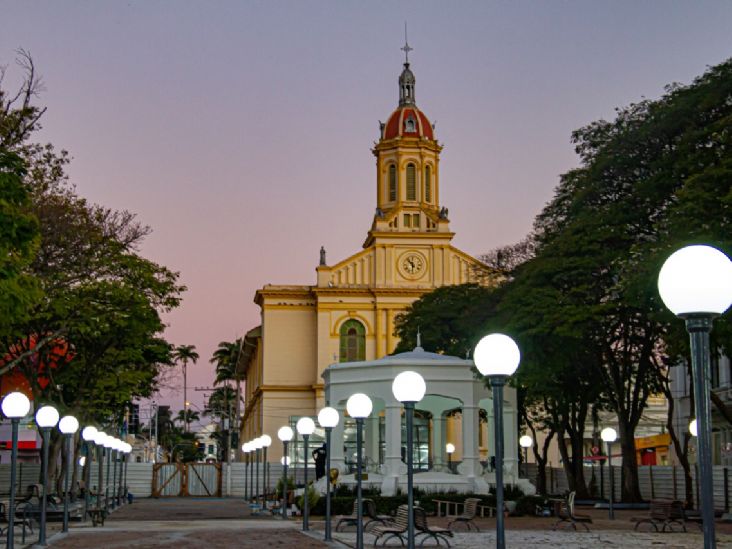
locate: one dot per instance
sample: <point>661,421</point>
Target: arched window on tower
<point>353,341</point>
<point>411,182</point>
<point>428,184</point>
<point>392,183</point>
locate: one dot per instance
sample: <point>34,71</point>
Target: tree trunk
<point>681,450</point>
<point>630,488</point>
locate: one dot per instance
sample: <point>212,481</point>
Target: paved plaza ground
<point>222,523</point>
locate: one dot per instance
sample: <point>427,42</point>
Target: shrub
<point>313,497</point>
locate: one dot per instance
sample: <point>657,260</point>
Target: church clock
<point>412,264</point>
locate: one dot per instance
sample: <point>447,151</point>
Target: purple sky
<point>240,131</point>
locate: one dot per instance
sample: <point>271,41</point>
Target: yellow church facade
<point>349,313</point>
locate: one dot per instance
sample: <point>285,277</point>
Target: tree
<point>185,353</point>
<point>187,416</point>
<point>228,360</point>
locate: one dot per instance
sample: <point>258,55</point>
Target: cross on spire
<point>406,49</point>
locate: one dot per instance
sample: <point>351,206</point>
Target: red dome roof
<point>408,122</point>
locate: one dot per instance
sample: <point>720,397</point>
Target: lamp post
<point>99,440</point>
<point>46,419</point>
<point>328,418</point>
<point>359,407</point>
<point>68,425</point>
<point>525,442</point>
<point>245,451</point>
<point>121,452</point>
<point>258,445</point>
<point>108,443</point>
<point>266,443</point>
<point>695,283</point>
<point>609,435</point>
<point>115,455</point>
<point>305,427</point>
<point>128,452</point>
<point>450,449</point>
<point>87,434</point>
<point>409,388</point>
<point>285,434</point>
<point>497,356</point>
<point>15,406</point>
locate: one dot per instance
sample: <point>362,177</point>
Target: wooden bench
<point>664,513</point>
<point>430,532</point>
<point>470,511</point>
<point>395,529</point>
<point>442,504</point>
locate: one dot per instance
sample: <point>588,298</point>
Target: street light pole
<point>409,388</point>
<point>497,356</point>
<point>285,434</point>
<point>328,418</point>
<point>359,406</point>
<point>525,442</point>
<point>305,426</point>
<point>450,449</point>
<point>88,433</point>
<point>46,419</point>
<point>266,443</point>
<point>15,406</point>
<point>68,426</point>
<point>609,435</point>
<point>695,283</point>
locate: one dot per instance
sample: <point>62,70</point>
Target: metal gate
<point>186,479</point>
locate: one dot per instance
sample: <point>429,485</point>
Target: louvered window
<point>411,182</point>
<point>392,183</point>
<point>428,184</point>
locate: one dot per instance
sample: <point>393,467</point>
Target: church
<point>349,314</point>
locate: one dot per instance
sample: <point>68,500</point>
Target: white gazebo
<point>455,399</point>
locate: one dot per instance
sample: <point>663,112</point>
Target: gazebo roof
<point>417,356</point>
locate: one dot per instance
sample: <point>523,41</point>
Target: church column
<point>389,331</point>
<point>510,444</point>
<point>470,465</point>
<point>379,333</point>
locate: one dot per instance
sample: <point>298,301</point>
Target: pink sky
<point>240,131</point>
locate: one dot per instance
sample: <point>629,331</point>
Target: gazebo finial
<point>419,341</point>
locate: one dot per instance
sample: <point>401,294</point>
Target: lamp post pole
<point>409,412</point>
<point>305,498</point>
<point>497,356</point>
<point>359,495</point>
<point>265,473</point>
<point>13,461</point>
<point>99,441</point>
<point>497,383</point>
<point>611,509</point>
<point>87,474</point>
<point>328,418</point>
<point>108,449</point>
<point>256,476</point>
<point>115,456</point>
<point>695,283</point>
<point>284,482</point>
<point>68,426</point>
<point>45,435</point>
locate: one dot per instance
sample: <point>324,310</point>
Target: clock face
<point>412,264</point>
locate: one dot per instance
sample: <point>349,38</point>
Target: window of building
<point>353,341</point>
<point>407,220</point>
<point>428,184</point>
<point>415,221</point>
<point>409,125</point>
<point>392,183</point>
<point>411,182</point>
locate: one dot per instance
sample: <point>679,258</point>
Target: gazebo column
<point>470,465</point>
<point>491,442</point>
<point>337,460</point>
<point>438,441</point>
<point>371,439</point>
<point>510,444</point>
<point>393,452</point>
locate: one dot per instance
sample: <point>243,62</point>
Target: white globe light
<point>526,441</point>
<point>408,387</point>
<point>82,461</point>
<point>100,438</point>
<point>693,428</point>
<point>359,406</point>
<point>285,434</point>
<point>47,417</point>
<point>696,279</point>
<point>328,417</point>
<point>108,441</point>
<point>285,460</point>
<point>609,434</point>
<point>266,441</point>
<point>245,447</point>
<point>305,426</point>
<point>128,448</point>
<point>68,425</point>
<point>496,355</point>
<point>89,433</point>
<point>258,443</point>
<point>450,448</point>
<point>16,405</point>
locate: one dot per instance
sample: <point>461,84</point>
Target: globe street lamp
<point>695,283</point>
<point>266,443</point>
<point>525,442</point>
<point>497,356</point>
<point>409,388</point>
<point>68,425</point>
<point>328,418</point>
<point>609,435</point>
<point>87,434</point>
<point>99,440</point>
<point>257,443</point>
<point>46,419</point>
<point>15,406</point>
<point>285,434</point>
<point>305,427</point>
<point>693,428</point>
<point>245,451</point>
<point>359,407</point>
<point>121,450</point>
<point>108,443</point>
<point>115,455</point>
<point>128,452</point>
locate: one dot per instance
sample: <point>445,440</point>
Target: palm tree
<point>187,416</point>
<point>184,353</point>
<point>227,358</point>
